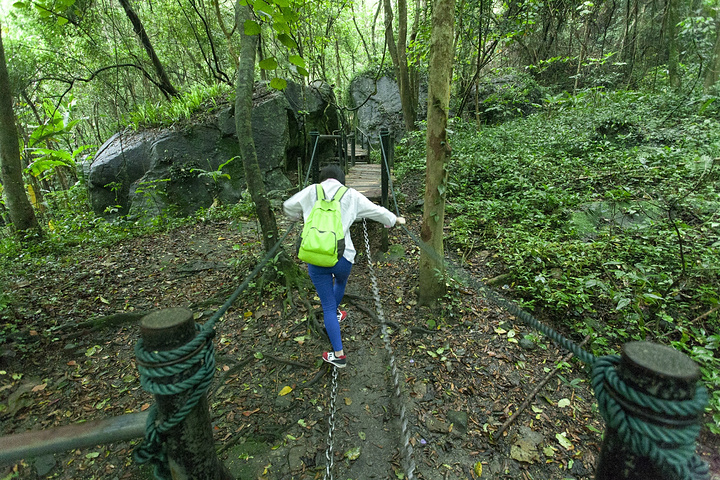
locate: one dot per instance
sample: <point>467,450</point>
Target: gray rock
<point>178,171</point>
<point>459,421</point>
<point>44,464</point>
<point>382,107</point>
<point>295,455</point>
<point>527,344</point>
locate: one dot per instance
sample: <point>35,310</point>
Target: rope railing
<point>648,422</point>
<point>670,447</point>
<point>158,368</point>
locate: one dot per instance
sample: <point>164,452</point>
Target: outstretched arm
<point>367,209</point>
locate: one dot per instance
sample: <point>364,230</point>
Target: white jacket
<point>354,205</point>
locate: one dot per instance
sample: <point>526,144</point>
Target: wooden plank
<point>365,178</point>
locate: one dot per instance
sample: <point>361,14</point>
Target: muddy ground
<point>465,367</point>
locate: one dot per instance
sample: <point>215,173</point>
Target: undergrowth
<point>603,214</point>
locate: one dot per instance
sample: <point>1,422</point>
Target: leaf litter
<point>464,372</point>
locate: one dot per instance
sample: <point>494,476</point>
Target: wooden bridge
<point>365,177</point>
<point>370,179</point>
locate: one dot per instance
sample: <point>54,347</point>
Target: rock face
<point>382,108</point>
<point>179,170</point>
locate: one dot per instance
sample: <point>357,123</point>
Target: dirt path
<point>463,371</point>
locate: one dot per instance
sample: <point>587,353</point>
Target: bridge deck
<point>365,178</point>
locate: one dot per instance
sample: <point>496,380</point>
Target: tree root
<point>422,330</point>
<point>535,391</point>
<point>99,323</point>
<point>221,379</point>
<point>321,373</point>
<point>288,362</point>
<point>370,313</point>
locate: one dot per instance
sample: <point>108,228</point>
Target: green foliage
<point>280,19</point>
<point>198,99</point>
<point>603,212</point>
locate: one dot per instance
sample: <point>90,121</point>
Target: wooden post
<point>190,446</point>
<point>391,152</point>
<point>314,139</point>
<point>343,152</point>
<point>352,147</point>
<point>384,153</point>
<point>662,372</point>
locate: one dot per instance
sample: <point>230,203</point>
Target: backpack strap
<point>340,191</point>
<point>319,191</point>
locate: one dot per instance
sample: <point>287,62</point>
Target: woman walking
<point>330,282</point>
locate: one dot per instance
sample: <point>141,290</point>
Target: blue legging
<point>330,284</point>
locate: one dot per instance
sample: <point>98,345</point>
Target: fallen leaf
<point>353,453</point>
<point>72,363</point>
<point>285,390</point>
<point>563,440</point>
<point>564,402</point>
<point>39,388</point>
<point>478,469</point>
<point>144,407</point>
<point>549,451</point>
<point>247,413</point>
<point>348,401</point>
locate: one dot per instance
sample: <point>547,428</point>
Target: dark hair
<point>332,171</point>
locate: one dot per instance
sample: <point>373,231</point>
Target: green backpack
<point>323,237</point>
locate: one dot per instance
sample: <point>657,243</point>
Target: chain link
<point>406,449</point>
<point>329,457</point>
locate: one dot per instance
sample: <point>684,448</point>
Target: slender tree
<point>19,209</point>
<point>713,70</point>
<point>398,53</point>
<point>671,19</point>
<point>164,81</point>
<point>432,285</point>
<point>243,126</point>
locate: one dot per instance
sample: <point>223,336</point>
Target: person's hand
<point>400,221</point>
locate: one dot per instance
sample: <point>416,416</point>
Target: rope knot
<point>662,430</point>
<point>186,370</point>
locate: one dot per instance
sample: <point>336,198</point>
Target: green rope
<point>156,368</point>
<point>672,449</point>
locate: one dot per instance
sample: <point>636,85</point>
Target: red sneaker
<point>341,315</point>
<point>330,357</point>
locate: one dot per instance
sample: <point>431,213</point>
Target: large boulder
<point>179,170</point>
<point>381,107</point>
<point>316,110</point>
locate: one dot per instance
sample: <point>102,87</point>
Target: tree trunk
<point>398,53</point>
<point>243,126</point>
<point>414,73</point>
<point>164,82</point>
<point>432,286</point>
<point>713,69</point>
<point>673,52</point>
<point>19,208</point>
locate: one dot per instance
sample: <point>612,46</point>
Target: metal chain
<point>406,449</point>
<point>329,457</point>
